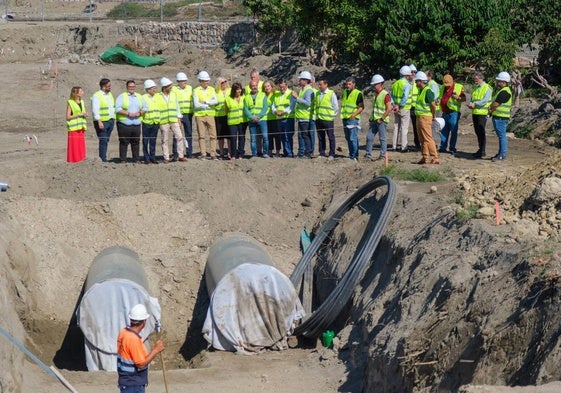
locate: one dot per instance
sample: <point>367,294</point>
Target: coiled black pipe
<point>328,311</point>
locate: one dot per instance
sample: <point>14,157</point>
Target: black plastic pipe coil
<point>328,311</point>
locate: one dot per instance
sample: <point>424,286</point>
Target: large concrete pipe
<point>253,305</point>
<point>115,283</point>
<point>228,253</point>
<point>116,262</point>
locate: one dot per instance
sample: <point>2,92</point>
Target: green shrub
<point>135,10</point>
<point>458,198</point>
<point>418,175</point>
<point>467,213</point>
<point>128,10</point>
<point>523,132</point>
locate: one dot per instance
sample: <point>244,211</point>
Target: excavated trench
<point>443,303</point>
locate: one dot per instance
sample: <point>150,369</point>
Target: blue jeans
<point>286,129</point>
<point>304,139</point>
<point>237,140</point>
<point>380,129</point>
<point>313,135</point>
<point>103,134</point>
<point>254,128</point>
<point>500,129</point>
<point>149,138</point>
<point>351,135</point>
<point>132,389</point>
<point>450,130</point>
<point>187,121</point>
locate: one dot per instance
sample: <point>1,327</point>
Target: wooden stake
<point>164,371</point>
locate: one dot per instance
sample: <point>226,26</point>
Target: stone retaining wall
<point>202,34</point>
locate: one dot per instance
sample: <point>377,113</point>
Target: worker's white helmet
<point>165,82</point>
<point>377,79</point>
<point>412,68</point>
<point>203,76</point>
<point>305,75</point>
<point>181,77</point>
<point>405,70</point>
<point>138,313</point>
<point>503,76</point>
<point>421,76</point>
<point>148,83</point>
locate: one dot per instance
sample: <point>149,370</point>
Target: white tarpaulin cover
<point>254,306</point>
<point>104,312</point>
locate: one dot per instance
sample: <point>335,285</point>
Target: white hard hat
<point>405,70</point>
<point>421,76</point>
<point>441,122</point>
<point>203,76</point>
<point>148,83</point>
<point>181,77</point>
<point>503,76</point>
<point>165,82</point>
<point>377,79</point>
<point>138,313</point>
<point>305,75</point>
<point>413,68</point>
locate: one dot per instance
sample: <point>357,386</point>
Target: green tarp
<point>119,54</point>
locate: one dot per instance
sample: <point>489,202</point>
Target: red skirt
<point>76,146</point>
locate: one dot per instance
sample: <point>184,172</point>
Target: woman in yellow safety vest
<point>76,125</point>
<point>275,138</point>
<point>220,119</point>
<point>237,122</point>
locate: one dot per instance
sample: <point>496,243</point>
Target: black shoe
<point>498,158</point>
<point>478,154</point>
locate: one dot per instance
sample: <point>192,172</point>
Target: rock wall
<point>33,42</point>
<point>202,34</point>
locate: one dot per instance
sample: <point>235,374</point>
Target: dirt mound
<point>539,119</point>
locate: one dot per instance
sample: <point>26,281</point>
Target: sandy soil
<point>56,217</point>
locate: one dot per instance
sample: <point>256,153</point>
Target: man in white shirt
<point>103,112</point>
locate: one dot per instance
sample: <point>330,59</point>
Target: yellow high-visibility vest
<point>204,95</point>
<point>77,123</point>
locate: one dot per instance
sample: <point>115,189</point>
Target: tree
<point>444,35</point>
<point>272,15</point>
<point>540,22</point>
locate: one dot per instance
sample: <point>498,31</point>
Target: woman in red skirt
<point>76,125</point>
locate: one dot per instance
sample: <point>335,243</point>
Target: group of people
<point>417,98</point>
<point>273,114</point>
<point>221,113</point>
